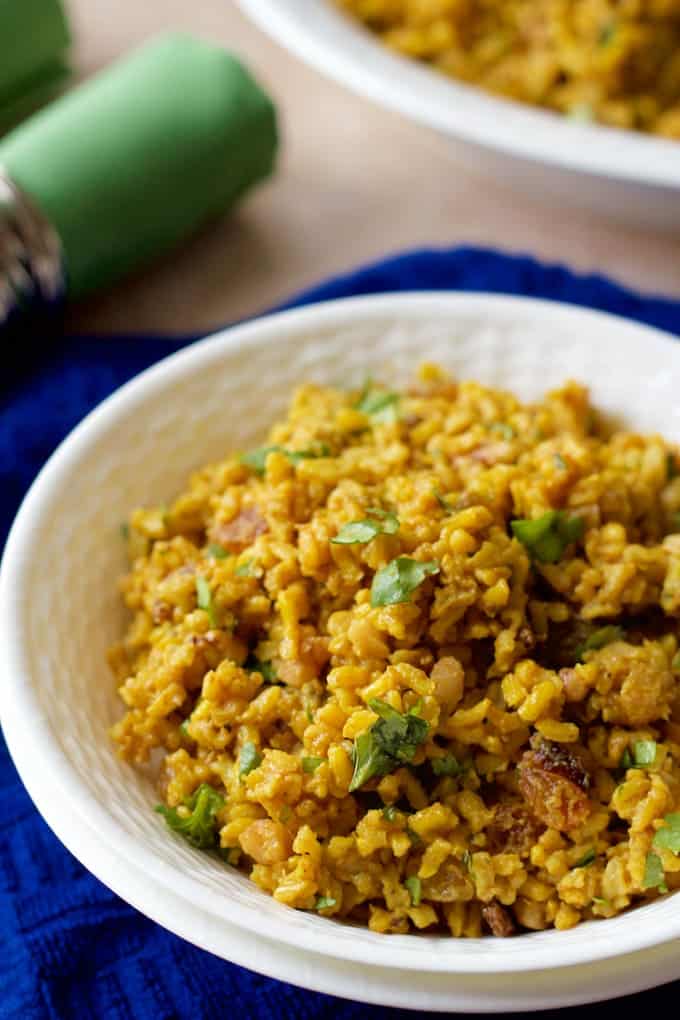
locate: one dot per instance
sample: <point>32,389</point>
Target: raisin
<point>553,782</point>
<point>498,920</point>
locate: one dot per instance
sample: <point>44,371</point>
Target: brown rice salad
<point>614,61</point>
<point>414,664</point>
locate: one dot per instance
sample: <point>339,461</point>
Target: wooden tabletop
<point>354,183</point>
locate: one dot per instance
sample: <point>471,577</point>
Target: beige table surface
<point>354,183</point>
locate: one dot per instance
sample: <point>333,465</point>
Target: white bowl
<point>59,610</point>
<point>623,174</point>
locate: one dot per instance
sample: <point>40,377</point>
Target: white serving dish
<point>622,174</point>
<point>59,611</point>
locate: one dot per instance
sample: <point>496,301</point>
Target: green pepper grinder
<point>123,168</point>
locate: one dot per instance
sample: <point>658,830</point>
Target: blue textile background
<point>69,948</point>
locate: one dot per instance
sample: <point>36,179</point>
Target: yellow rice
<point>547,752</point>
<point>614,61</point>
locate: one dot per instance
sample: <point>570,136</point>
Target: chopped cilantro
<point>672,470</point>
<point>204,598</point>
<point>654,877</point>
<point>675,664</point>
<point>379,405</point>
<point>644,754</point>
<point>325,903</point>
<point>466,860</point>
<point>285,814</point>
<point>257,459</point>
<point>600,901</point>
<point>447,765</point>
<point>125,531</point>
<point>416,840</point>
<point>245,569</point>
<point>588,858</point>
<point>582,112</point>
<point>386,523</point>
<point>265,669</point>
<point>599,638</point>
<point>503,429</point>
<point>397,581</point>
<point>229,854</point>
<point>311,763</point>
<point>547,537</point>
<point>415,889</point>
<point>184,728</point>
<point>392,741</point>
<point>444,503</point>
<point>199,826</point>
<point>309,713</point>
<point>389,812</point>
<point>218,552</point>
<point>560,462</point>
<point>606,33</point>
<point>249,758</point>
<point>668,838</point>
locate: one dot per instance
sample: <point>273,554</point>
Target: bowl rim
<point>25,724</point>
<point>320,35</point>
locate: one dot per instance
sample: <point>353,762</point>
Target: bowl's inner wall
<point>221,397</point>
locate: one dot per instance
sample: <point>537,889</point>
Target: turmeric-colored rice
<point>414,664</point>
<point>614,61</point>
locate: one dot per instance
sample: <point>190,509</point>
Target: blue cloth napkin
<point>69,948</point>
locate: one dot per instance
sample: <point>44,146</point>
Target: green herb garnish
<point>358,532</point>
<point>257,459</point>
<point>389,812</point>
<point>675,664</point>
<point>644,754</point>
<point>184,728</point>
<point>378,405</point>
<point>503,429</point>
<point>654,874</point>
<point>265,669</point>
<point>245,569</point>
<point>599,638</point>
<point>668,838</point>
<point>218,552</point>
<point>675,520</point>
<point>249,758</point>
<point>444,503</point>
<point>204,598</point>
<point>582,112</point>
<point>560,462</point>
<point>606,33</point>
<point>588,858</point>
<point>392,741</point>
<point>125,531</point>
<point>396,582</point>
<point>547,537</point>
<point>311,763</point>
<point>415,889</point>
<point>325,903</point>
<point>600,901</point>
<point>199,827</point>
<point>447,765</point>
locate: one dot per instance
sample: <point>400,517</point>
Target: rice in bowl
<point>614,62</point>
<point>414,663</point>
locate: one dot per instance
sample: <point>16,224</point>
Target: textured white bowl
<point>59,609</point>
<point>623,174</point>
